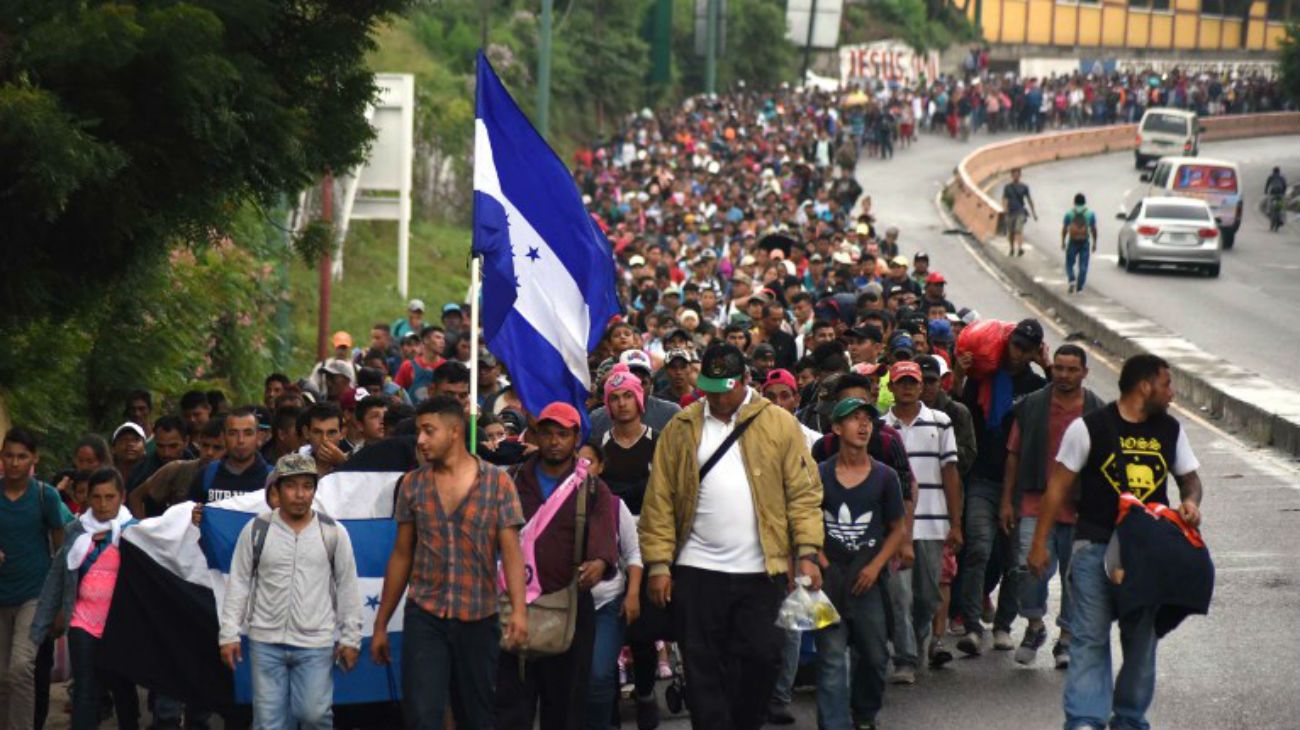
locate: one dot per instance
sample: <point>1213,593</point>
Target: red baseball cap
<point>562,413</point>
<point>904,369</point>
<point>935,278</point>
<point>780,377</point>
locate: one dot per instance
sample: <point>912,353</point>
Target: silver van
<point>1217,182</point>
<point>1164,132</point>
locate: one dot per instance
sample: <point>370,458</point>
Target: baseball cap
<point>901,341</point>
<point>450,307</point>
<point>411,337</point>
<point>968,315</point>
<point>940,330</point>
<point>867,332</point>
<point>348,399</point>
<point>292,465</point>
<point>128,427</point>
<point>862,229</point>
<point>780,377</point>
<point>723,366</point>
<point>688,355</point>
<point>921,256</point>
<point>1028,334</point>
<point>637,360</point>
<point>708,253</point>
<point>335,366</point>
<point>561,413</point>
<point>928,366</point>
<point>341,339</point>
<point>935,278</point>
<point>899,261</point>
<point>637,260</point>
<point>904,369</point>
<point>415,305</point>
<point>763,350</point>
<point>849,406</point>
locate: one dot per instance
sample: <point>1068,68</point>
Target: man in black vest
<point>1040,422</point>
<point>1131,445</point>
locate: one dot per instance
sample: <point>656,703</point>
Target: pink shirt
<point>95,593</point>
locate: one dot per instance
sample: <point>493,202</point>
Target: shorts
<point>948,567</point>
<point>1016,222</point>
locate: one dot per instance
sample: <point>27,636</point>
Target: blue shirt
<point>25,525</point>
<point>547,483</point>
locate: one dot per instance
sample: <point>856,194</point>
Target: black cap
<point>722,365</point>
<point>921,256</point>
<point>929,365</point>
<point>764,349</point>
<point>1028,334</point>
<point>867,332</point>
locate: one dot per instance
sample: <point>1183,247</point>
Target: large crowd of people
<point>781,403</point>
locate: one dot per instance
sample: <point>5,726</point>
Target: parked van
<point>1164,131</point>
<point>1217,182</point>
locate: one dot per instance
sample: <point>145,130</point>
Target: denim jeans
<point>783,693</point>
<point>901,634</point>
<point>1032,589</point>
<point>88,682</point>
<point>293,687</point>
<point>981,537</point>
<point>1092,699</point>
<point>602,689</point>
<point>434,650</point>
<point>863,626</point>
<point>1077,251</point>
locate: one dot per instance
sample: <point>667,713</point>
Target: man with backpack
<point>1078,238</point>
<point>293,578</point>
<point>241,470</point>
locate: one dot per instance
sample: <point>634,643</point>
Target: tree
<point>1289,61</point>
<point>129,127</point>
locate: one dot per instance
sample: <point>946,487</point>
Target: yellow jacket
<point>783,479</point>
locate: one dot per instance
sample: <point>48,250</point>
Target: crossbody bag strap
<point>580,526</point>
<point>726,445</point>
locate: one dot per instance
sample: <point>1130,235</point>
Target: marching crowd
<point>783,401</point>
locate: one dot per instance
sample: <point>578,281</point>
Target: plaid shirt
<point>455,570</point>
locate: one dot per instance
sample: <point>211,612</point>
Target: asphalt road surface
<point>1250,315</point>
<point>1239,667</point>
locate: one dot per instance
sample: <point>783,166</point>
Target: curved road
<point>1250,315</point>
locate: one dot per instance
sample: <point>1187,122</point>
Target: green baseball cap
<point>848,406</point>
<point>723,365</point>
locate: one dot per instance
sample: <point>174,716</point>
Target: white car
<point>1166,230</point>
<point>1165,131</point>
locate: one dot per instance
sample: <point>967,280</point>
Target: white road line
<point>1272,463</point>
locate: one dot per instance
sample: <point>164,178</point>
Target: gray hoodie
<point>295,600</point>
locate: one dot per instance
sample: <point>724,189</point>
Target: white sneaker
<point>1002,640</point>
<point>903,675</point>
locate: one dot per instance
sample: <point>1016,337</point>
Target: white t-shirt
<point>1076,443</point>
<point>724,536</point>
<point>629,553</point>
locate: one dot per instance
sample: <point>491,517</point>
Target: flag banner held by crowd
<point>548,274</point>
<point>162,627</point>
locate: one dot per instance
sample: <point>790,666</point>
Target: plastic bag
<point>805,610</point>
<point>986,341</point>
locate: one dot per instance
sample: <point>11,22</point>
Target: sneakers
<point>939,654</point>
<point>647,713</point>
<point>1030,644</point>
<point>903,675</point>
<point>972,644</point>
<point>864,725</point>
<point>1002,640</point>
<point>779,714</point>
<point>1071,289</point>
<point>956,627</point>
<point>1061,654</point>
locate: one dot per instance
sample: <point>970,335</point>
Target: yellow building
<point>1149,25</point>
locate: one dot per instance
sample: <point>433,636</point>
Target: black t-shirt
<point>856,516</point>
<point>992,441</point>
<point>1016,194</point>
<point>215,482</point>
<point>627,470</point>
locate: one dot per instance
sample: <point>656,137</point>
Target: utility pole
<point>544,70</point>
<point>326,270</point>
<point>711,48</point>
<point>807,45</point>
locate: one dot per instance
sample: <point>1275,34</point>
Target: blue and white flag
<point>548,272</point>
<point>162,627</point>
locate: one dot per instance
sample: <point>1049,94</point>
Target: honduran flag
<point>162,628</point>
<point>548,271</point>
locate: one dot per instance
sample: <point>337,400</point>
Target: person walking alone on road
<point>1078,237</point>
<point>733,498</point>
<point>1018,205</point>
<point>293,578</point>
<point>1138,432</point>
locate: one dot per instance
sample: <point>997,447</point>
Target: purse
<point>552,616</point>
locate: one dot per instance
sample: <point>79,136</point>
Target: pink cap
<point>780,377</point>
<point>622,378</point>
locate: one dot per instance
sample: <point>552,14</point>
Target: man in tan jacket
<point>733,499</point>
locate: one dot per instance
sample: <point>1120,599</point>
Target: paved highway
<point>1250,315</point>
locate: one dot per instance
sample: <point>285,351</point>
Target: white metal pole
<point>475,264</point>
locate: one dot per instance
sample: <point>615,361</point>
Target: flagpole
<point>475,263</point>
